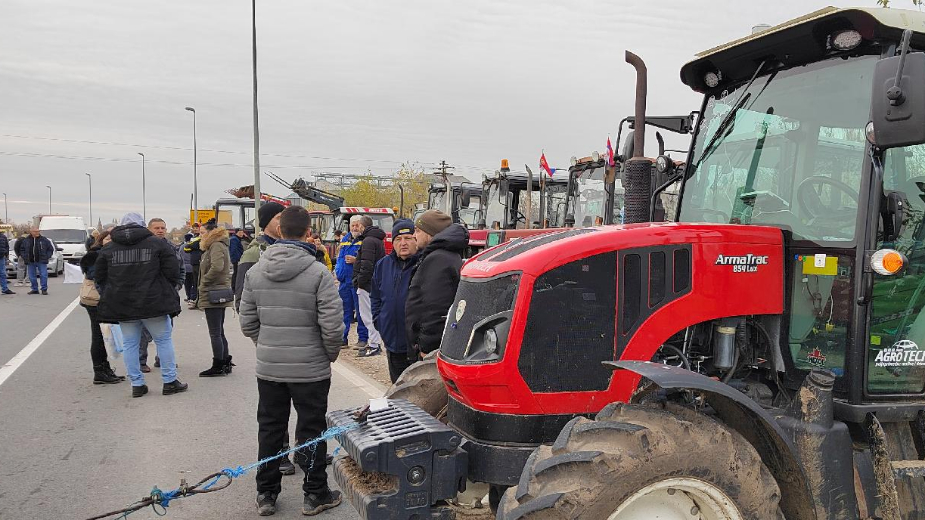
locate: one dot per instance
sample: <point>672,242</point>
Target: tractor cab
<point>595,194</point>
<point>505,200</point>
<point>464,203</point>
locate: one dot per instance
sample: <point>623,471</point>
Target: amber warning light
<point>887,262</point>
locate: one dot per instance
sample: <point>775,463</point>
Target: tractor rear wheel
<point>635,462</point>
<point>422,385</point>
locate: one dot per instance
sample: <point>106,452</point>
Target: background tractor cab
<point>505,195</point>
<point>764,355</point>
<point>464,204</point>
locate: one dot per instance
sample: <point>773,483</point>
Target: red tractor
<point>761,358</point>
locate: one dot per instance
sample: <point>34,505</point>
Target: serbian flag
<point>545,165</point>
<point>609,152</point>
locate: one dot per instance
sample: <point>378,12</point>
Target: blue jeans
<point>348,295</point>
<point>3,285</point>
<point>160,329</point>
<point>42,271</point>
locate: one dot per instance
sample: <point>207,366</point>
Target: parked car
<point>55,263</point>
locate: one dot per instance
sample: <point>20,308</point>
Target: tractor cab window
<point>591,197</point>
<point>897,322</point>
<point>785,152</point>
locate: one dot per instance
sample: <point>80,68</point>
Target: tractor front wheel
<point>422,385</point>
<point>636,462</point>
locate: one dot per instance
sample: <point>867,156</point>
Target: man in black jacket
<point>37,251</point>
<point>137,275</point>
<point>371,251</point>
<point>433,287</point>
<point>4,255</point>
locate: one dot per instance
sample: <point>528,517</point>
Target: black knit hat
<point>267,211</point>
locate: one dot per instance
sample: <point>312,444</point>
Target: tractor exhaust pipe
<point>637,177</point>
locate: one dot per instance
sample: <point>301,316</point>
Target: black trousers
<point>194,283</point>
<point>398,362</point>
<point>97,347</point>
<point>215,319</point>
<point>311,403</point>
<point>234,276</point>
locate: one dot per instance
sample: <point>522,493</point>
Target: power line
<point>183,149</point>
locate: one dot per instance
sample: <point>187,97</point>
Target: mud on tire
<point>596,465</point>
<point>422,385</point>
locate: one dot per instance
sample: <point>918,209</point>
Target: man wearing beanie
<point>433,287</point>
<point>268,218</point>
<point>371,251</point>
<point>388,294</point>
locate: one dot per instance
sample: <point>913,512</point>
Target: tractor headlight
<point>488,338</point>
<point>662,163</point>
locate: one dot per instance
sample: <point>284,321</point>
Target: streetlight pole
<point>49,198</point>
<point>6,210</point>
<point>144,203</point>
<point>90,180</point>
<point>256,127</point>
<point>195,181</point>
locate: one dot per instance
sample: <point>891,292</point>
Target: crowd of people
<point>296,305</point>
<point>33,252</point>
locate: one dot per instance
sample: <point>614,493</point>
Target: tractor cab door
<point>896,346</point>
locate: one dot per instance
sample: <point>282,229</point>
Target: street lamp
<point>256,128</point>
<point>144,204</point>
<point>90,181</point>
<point>195,181</point>
<point>6,210</point>
<point>49,198</point>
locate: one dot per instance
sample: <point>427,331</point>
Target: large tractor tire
<point>422,385</point>
<point>636,462</point>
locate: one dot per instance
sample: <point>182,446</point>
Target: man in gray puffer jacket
<point>292,311</point>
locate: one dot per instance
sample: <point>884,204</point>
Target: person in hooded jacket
<point>291,310</point>
<point>371,251</point>
<point>103,373</point>
<point>389,293</point>
<point>136,275</point>
<point>213,277</point>
<point>433,287</point>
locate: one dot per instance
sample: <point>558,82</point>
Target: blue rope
<point>163,498</point>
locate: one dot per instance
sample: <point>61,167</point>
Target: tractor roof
<point>799,41</point>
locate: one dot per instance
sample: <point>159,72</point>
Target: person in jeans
<point>213,277</point>
<point>371,251</point>
<point>389,293</point>
<point>103,373</point>
<point>4,255</point>
<point>137,275</point>
<point>159,228</point>
<point>37,251</point>
<point>292,311</point>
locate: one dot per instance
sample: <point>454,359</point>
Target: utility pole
<point>448,197</point>
<point>195,179</point>
<point>49,198</point>
<point>6,210</point>
<point>256,126</point>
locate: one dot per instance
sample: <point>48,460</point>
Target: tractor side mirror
<point>898,108</point>
<point>892,212</point>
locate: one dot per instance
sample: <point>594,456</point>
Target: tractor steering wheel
<point>811,203</point>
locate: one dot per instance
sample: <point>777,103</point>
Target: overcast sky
<point>345,86</point>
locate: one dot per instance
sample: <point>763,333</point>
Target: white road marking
<point>7,370</point>
<point>373,388</point>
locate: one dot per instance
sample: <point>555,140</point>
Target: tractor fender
<point>745,416</point>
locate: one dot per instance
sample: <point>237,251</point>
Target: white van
<point>67,232</point>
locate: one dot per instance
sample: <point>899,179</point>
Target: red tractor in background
<point>761,358</point>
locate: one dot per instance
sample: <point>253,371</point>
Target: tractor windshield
<point>592,199</point>
<point>786,151</point>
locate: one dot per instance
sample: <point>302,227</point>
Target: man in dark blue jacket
<point>389,291</point>
<point>236,250</point>
<point>4,256</point>
<point>343,269</point>
<point>37,251</point>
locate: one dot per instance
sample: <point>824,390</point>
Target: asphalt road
<point>71,449</point>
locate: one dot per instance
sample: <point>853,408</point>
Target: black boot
<point>228,364</point>
<point>113,372</point>
<point>218,369</point>
<point>102,375</point>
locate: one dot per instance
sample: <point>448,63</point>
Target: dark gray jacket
<point>292,311</point>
